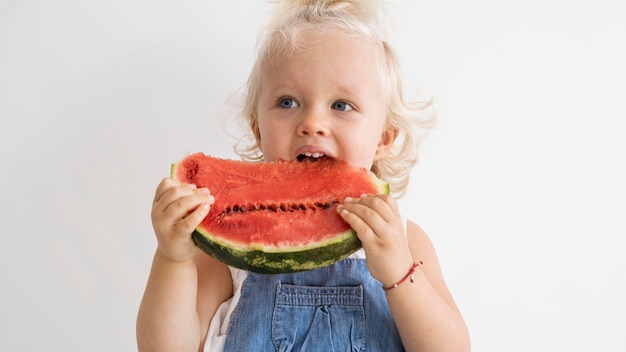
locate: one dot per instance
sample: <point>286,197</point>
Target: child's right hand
<point>177,210</point>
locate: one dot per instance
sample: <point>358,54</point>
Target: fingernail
<point>348,200</point>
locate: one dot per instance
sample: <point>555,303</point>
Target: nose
<point>313,123</point>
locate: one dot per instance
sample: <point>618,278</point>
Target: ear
<point>387,138</point>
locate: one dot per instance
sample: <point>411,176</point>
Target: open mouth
<point>311,156</point>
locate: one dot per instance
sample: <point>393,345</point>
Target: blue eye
<point>287,103</point>
<point>341,106</point>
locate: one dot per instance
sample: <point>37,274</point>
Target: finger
<point>384,208</point>
<point>391,202</point>
<point>182,206</point>
<point>360,226</point>
<point>176,204</point>
<point>166,184</point>
<point>380,201</point>
<point>193,219</point>
<point>378,213</point>
<point>173,191</point>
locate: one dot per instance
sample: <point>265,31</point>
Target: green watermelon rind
<point>264,262</point>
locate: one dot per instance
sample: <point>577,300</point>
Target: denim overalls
<point>340,307</point>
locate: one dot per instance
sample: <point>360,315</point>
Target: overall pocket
<point>310,318</point>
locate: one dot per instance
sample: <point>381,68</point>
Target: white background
<point>521,186</point>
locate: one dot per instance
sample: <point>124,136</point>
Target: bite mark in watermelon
<point>276,217</point>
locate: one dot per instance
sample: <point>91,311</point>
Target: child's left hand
<point>378,224</point>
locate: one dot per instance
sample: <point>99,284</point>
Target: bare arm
<point>424,311</point>
<point>168,318</point>
<point>179,302</point>
<point>185,286</point>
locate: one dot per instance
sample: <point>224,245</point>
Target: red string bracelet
<point>408,275</point>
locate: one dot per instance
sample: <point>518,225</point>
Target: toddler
<point>326,84</point>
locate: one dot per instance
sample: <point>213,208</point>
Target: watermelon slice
<point>276,217</point>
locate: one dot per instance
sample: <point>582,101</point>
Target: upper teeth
<point>314,155</point>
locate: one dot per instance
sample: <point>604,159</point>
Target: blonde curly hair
<point>363,21</point>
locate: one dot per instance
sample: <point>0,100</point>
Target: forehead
<point>334,57</point>
<point>283,46</point>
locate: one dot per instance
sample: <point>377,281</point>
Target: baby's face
<point>323,101</point>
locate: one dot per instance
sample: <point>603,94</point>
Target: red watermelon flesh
<point>286,209</point>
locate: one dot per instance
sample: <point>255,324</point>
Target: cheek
<point>262,132</point>
<point>361,150</point>
<point>271,139</point>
